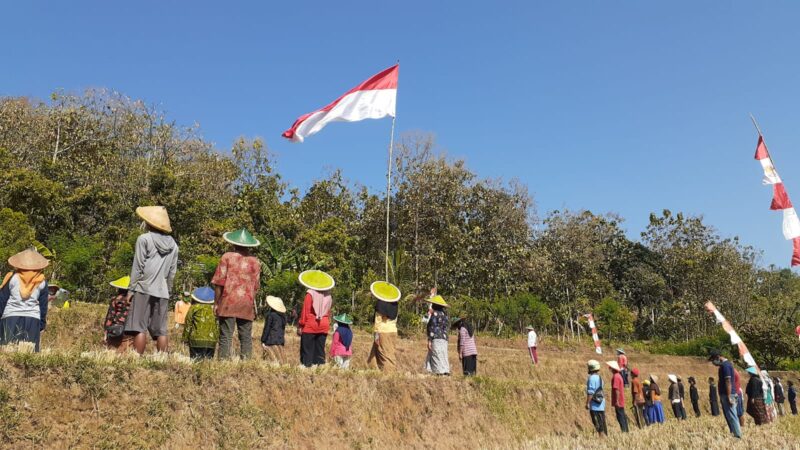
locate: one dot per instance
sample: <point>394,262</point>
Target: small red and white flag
<point>373,99</point>
<point>597,348</point>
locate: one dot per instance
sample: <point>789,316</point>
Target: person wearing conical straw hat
<point>618,395</point>
<point>314,320</point>
<point>382,353</point>
<point>155,262</point>
<point>274,336</point>
<point>236,284</point>
<point>655,413</point>
<point>437,361</point>
<point>114,324</point>
<point>342,341</point>
<point>23,299</point>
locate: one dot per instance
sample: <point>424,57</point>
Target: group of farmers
<point>765,397</point>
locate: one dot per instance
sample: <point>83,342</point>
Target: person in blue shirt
<point>595,398</point>
<point>727,392</point>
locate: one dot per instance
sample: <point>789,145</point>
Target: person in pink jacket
<point>342,345</point>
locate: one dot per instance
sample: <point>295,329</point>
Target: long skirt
<point>20,329</point>
<point>655,413</point>
<point>437,362</point>
<point>758,410</point>
<point>383,352</point>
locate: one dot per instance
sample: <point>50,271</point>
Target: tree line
<point>77,165</point>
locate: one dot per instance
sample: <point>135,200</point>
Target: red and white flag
<point>373,99</point>
<point>597,348</point>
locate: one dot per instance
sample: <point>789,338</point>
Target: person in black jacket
<point>683,397</point>
<point>792,397</point>
<point>713,397</point>
<point>272,339</point>
<point>694,396</point>
<point>780,397</point>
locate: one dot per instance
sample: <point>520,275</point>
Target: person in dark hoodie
<point>694,396</point>
<point>273,337</point>
<point>682,391</point>
<point>155,261</point>
<point>713,396</point>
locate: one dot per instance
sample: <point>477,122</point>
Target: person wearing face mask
<point>727,391</point>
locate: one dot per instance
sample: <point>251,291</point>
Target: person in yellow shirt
<point>387,297</point>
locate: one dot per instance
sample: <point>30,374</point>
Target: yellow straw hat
<point>121,283</point>
<point>316,280</point>
<point>28,259</point>
<point>156,217</point>
<point>385,291</point>
<point>438,300</point>
<point>276,304</point>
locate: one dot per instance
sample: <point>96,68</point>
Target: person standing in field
<point>437,361</point>
<point>618,395</point>
<point>314,321</point>
<point>273,337</point>
<point>342,341</point>
<point>201,329</point>
<point>236,282</point>
<point>657,409</point>
<point>467,348</point>
<point>737,385</point>
<point>792,397</point>
<point>387,297</point>
<point>780,397</point>
<point>622,360</point>
<point>713,397</point>
<point>648,402</point>
<point>595,398</point>
<point>675,396</point>
<point>533,340</point>
<point>769,395</point>
<point>155,262</point>
<point>114,324</point>
<point>682,392</point>
<point>23,299</point>
<point>727,391</point>
<point>755,398</point>
<point>694,396</point>
<point>181,308</point>
<point>637,395</point>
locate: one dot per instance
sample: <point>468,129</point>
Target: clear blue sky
<point>626,106</point>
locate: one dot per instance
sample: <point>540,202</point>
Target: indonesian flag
<point>780,199</point>
<point>372,99</point>
<point>796,252</point>
<point>791,224</point>
<point>762,155</point>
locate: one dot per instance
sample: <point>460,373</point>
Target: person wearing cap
<point>181,308</point>
<point>274,336</point>
<point>314,321</point>
<point>694,396</point>
<point>114,324</point>
<point>467,348</point>
<point>622,360</point>
<point>387,297</point>
<point>618,394</point>
<point>675,396</point>
<point>236,282</point>
<point>656,411</point>
<point>727,391</point>
<point>755,398</point>
<point>201,330</point>
<point>780,397</point>
<point>595,398</point>
<point>713,397</point>
<point>437,361</point>
<point>533,340</point>
<point>23,299</point>
<point>155,262</point>
<point>342,341</point>
<point>637,395</point>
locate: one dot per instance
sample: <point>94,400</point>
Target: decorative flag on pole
<point>735,339</point>
<point>595,337</point>
<point>780,198</point>
<point>373,99</point>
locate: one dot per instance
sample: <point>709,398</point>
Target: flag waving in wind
<point>372,99</point>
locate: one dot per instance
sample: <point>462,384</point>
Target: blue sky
<point>627,106</point>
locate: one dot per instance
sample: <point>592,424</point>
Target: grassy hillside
<point>73,394</point>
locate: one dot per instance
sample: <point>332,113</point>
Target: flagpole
<point>389,197</point>
<point>756,125</point>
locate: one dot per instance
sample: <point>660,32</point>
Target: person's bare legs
<point>162,343</point>
<point>140,343</point>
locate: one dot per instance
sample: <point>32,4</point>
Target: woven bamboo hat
<point>28,259</point>
<point>242,238</point>
<point>438,300</point>
<point>121,283</point>
<point>385,291</point>
<point>276,304</point>
<point>614,365</point>
<point>343,318</point>
<point>156,217</point>
<point>316,280</point>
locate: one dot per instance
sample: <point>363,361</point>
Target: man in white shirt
<point>532,338</point>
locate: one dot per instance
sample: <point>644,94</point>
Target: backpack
<point>598,395</point>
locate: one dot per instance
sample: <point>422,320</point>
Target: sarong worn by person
<point>342,341</point>
<point>23,299</point>
<point>387,297</point>
<point>437,361</point>
<point>114,324</point>
<point>201,330</point>
<point>755,398</point>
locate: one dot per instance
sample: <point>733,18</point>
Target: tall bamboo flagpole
<point>389,184</point>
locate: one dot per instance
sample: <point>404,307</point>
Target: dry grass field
<point>75,395</point>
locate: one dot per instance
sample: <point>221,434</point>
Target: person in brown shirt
<point>637,394</point>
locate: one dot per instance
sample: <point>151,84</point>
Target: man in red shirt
<point>618,395</point>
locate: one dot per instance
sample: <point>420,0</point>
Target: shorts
<point>147,313</point>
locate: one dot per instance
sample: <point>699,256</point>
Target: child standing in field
<point>342,341</point>
<point>713,397</point>
<point>181,308</point>
<point>532,342</point>
<point>694,396</point>
<point>201,330</point>
<point>648,402</point>
<point>467,349</point>
<point>792,397</point>
<point>273,337</point>
<point>113,326</point>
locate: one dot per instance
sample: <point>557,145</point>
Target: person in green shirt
<point>201,330</point>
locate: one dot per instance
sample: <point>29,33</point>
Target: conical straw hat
<point>317,280</point>
<point>242,238</point>
<point>385,291</point>
<point>156,217</point>
<point>438,300</point>
<point>121,283</point>
<point>276,304</point>
<point>28,259</point>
